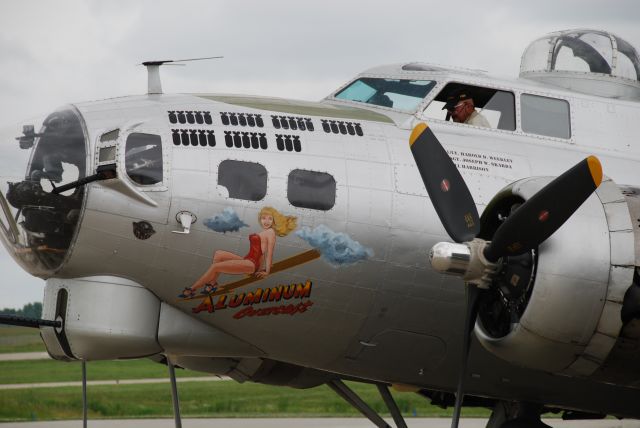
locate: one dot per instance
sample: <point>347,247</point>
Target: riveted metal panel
<point>618,216</point>
<point>632,196</point>
<point>608,192</point>
<point>202,340</point>
<point>620,278</point>
<point>109,318</point>
<point>599,347</point>
<point>622,244</point>
<point>582,366</point>
<point>525,348</point>
<point>610,321</point>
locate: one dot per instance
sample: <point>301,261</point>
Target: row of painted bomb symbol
<point>288,142</point>
<point>247,140</point>
<point>293,123</point>
<point>340,127</point>
<point>242,119</point>
<point>184,116</point>
<point>193,137</point>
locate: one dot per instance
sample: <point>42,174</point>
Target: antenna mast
<point>154,85</point>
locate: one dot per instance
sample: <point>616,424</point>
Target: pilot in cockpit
<point>462,109</point>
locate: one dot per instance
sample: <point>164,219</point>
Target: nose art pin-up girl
<point>258,260</point>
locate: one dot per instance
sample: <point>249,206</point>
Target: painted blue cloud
<point>226,221</point>
<point>336,247</point>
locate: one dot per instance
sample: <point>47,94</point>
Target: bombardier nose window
<point>39,222</point>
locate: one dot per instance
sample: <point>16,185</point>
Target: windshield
<point>37,225</point>
<point>398,94</point>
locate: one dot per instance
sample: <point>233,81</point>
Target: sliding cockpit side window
<point>143,158</point>
<point>474,105</point>
<point>398,94</point>
<point>545,116</point>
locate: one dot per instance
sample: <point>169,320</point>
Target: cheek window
<point>143,158</point>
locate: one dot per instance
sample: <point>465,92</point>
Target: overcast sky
<point>58,52</point>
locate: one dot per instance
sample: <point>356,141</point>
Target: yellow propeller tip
<point>595,168</point>
<point>417,131</point>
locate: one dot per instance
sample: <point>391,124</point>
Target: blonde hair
<point>282,224</point>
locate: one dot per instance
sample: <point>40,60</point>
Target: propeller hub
<point>450,258</point>
<point>465,260</point>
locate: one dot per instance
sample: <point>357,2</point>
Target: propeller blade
<point>449,194</point>
<point>472,294</point>
<point>539,217</point>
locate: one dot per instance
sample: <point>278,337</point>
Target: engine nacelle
<point>571,315</point>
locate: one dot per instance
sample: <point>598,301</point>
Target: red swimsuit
<point>255,251</point>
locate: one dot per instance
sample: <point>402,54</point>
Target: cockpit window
<point>545,116</point>
<point>143,158</point>
<point>399,94</point>
<point>474,105</point>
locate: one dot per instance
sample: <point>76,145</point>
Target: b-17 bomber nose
<point>37,224</point>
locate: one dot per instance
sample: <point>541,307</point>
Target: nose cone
<point>37,226</point>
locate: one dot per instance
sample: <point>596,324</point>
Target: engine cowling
<point>558,309</point>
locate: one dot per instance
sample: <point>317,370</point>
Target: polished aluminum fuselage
<point>389,318</point>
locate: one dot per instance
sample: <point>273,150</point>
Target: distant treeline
<point>30,310</point>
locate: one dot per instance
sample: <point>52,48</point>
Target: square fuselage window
<point>311,189</point>
<point>243,180</point>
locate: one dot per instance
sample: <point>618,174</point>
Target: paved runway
<point>304,423</point>
<point>112,382</point>
<point>25,356</point>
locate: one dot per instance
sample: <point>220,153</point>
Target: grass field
<point>57,371</point>
<point>20,339</point>
<point>198,399</point>
<point>208,399</point>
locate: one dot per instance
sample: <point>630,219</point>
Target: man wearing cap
<point>462,109</point>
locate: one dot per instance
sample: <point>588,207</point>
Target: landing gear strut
<point>516,415</point>
<point>352,398</point>
<point>174,394</point>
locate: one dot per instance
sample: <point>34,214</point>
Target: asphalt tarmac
<point>305,423</point>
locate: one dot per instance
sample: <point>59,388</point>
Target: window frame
<point>517,91</point>
<point>335,199</point>
<point>437,90</point>
<point>358,104</point>
<point>123,157</point>
<point>569,140</point>
<point>121,149</point>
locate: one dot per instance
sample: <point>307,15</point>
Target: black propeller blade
<point>448,192</point>
<point>540,216</point>
<point>472,294</point>
<point>526,228</point>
